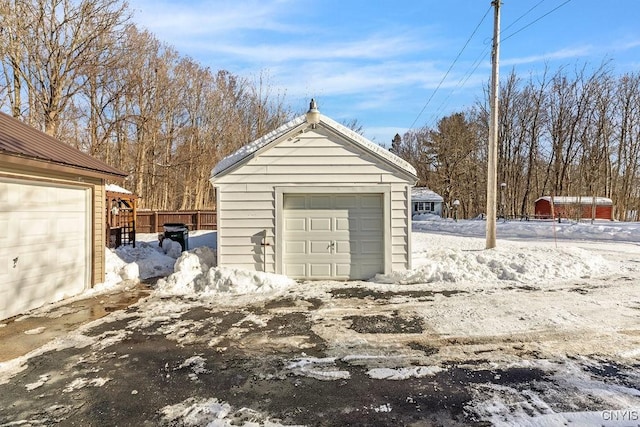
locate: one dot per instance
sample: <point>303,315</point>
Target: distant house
<point>425,201</point>
<point>326,203</point>
<point>52,227</point>
<point>574,207</point>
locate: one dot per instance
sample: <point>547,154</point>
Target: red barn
<point>574,207</point>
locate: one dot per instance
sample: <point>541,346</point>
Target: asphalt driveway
<point>347,354</point>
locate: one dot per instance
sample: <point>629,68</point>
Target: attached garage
<point>52,231</point>
<point>314,200</point>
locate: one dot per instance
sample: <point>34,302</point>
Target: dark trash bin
<point>178,233</point>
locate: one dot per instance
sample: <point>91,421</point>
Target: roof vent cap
<point>313,115</point>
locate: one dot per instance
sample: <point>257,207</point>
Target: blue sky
<point>381,62</point>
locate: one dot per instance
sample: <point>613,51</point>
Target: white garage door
<point>337,236</point>
<point>43,244</point>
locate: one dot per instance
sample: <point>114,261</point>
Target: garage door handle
<point>332,245</point>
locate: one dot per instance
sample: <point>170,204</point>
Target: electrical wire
<point>535,20</point>
<point>450,67</point>
<point>474,66</point>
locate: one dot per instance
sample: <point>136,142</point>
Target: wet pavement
<point>350,356</point>
<point>21,334</point>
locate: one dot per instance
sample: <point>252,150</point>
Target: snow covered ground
<point>557,298</point>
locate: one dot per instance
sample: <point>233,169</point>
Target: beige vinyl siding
<point>247,202</point>
<point>400,226</point>
<point>98,234</point>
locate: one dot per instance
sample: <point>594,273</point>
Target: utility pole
<point>492,171</point>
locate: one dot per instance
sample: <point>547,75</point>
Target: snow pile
<point>213,413</point>
<point>524,265</point>
<point>149,258</point>
<point>566,230</point>
<point>425,217</point>
<point>404,373</point>
<point>323,369</point>
<point>116,270</point>
<point>195,273</point>
<point>171,248</point>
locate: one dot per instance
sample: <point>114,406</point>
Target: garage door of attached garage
<point>44,247</point>
<point>339,236</point>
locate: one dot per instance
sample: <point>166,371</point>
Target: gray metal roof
<point>21,140</point>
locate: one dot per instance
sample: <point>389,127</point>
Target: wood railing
<point>152,221</point>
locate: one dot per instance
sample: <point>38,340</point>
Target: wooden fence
<point>152,221</point>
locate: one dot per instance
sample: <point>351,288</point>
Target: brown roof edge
<point>23,142</point>
<point>56,167</point>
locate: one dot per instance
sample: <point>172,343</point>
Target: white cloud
<point>174,21</point>
<point>565,53</point>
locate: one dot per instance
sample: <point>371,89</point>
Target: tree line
<point>80,71</point>
<point>575,132</point>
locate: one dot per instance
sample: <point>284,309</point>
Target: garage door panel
<point>33,228</point>
<point>340,235</point>
<point>371,247</point>
<point>318,202</point>
<point>295,224</point>
<point>346,201</point>
<point>343,270</point>
<point>369,270</point>
<point>44,228</point>
<point>344,247</point>
<point>346,224</point>
<point>6,264</point>
<point>4,232</point>
<point>320,224</point>
<point>320,270</point>
<point>320,247</point>
<point>295,270</point>
<point>370,224</point>
<point>371,201</point>
<point>295,247</point>
<point>69,225</point>
<point>294,202</point>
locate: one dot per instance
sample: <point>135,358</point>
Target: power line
<point>474,66</point>
<point>450,67</point>
<point>535,20</point>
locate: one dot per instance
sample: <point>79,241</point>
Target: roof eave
<point>276,138</point>
<point>409,175</point>
<point>20,160</point>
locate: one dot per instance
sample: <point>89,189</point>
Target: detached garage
<point>52,230</point>
<point>314,200</point>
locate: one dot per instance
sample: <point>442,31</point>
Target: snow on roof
<point>116,189</point>
<point>425,194</point>
<point>579,200</point>
<point>249,149</point>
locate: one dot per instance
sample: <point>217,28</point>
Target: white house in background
<point>314,200</point>
<point>425,201</point>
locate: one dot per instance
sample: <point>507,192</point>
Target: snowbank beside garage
<point>196,274</point>
<point>508,263</point>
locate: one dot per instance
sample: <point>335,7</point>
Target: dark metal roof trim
<point>22,140</point>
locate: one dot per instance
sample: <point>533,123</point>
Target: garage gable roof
<point>21,140</point>
<point>248,151</point>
